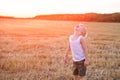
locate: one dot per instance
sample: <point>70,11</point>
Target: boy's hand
<point>65,60</point>
<point>86,63</point>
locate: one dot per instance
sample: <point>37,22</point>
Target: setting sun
<point>30,8</point>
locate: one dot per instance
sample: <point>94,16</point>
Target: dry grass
<point>34,50</point>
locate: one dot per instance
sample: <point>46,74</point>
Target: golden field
<point>34,50</point>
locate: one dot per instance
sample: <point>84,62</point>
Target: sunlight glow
<point>29,8</point>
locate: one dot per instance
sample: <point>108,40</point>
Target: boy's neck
<point>76,34</point>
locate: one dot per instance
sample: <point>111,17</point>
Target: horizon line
<point>52,14</point>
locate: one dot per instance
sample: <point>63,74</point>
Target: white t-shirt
<point>76,49</point>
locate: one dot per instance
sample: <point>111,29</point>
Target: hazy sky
<point>29,8</point>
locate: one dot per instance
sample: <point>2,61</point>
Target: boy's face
<point>77,28</point>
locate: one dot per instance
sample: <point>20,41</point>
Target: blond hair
<point>83,30</point>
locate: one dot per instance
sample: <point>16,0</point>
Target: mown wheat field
<point>34,50</point>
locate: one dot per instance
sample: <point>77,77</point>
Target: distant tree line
<point>8,17</point>
<point>114,17</point>
<point>93,17</point>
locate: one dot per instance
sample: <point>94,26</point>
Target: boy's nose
<point>77,26</point>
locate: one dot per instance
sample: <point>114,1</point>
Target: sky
<point>31,8</point>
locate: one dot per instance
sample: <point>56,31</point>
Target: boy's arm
<point>66,53</point>
<point>84,46</point>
